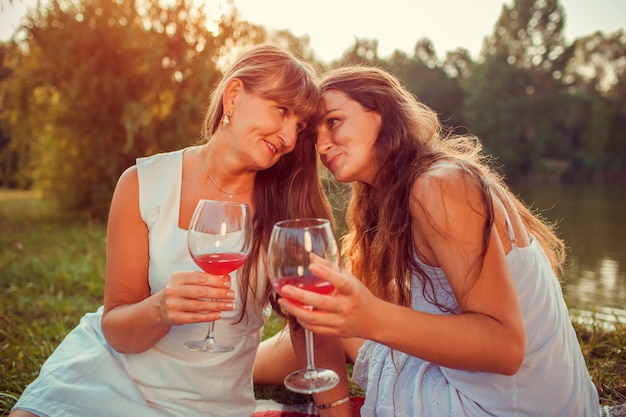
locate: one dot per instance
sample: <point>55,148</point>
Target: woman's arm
<point>134,320</point>
<point>488,334</point>
<point>277,357</point>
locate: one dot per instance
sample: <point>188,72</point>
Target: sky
<point>334,25</point>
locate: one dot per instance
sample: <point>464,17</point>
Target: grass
<point>605,353</point>
<point>52,273</point>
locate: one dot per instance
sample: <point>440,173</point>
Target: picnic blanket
<point>618,410</point>
<point>270,408</point>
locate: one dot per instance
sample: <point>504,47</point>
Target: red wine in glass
<point>289,255</point>
<point>219,240</point>
<point>220,263</point>
<point>305,282</point>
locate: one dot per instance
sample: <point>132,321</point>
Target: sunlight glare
<point>308,241</point>
<point>214,11</point>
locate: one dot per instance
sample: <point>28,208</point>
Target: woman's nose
<point>289,135</point>
<point>323,142</point>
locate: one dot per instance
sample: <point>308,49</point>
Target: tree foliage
<point>516,83</point>
<point>90,85</point>
<point>98,83</point>
<point>363,52</point>
<point>426,78</point>
<point>595,75</point>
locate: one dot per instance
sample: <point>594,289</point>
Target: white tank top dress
<point>553,380</point>
<point>86,377</point>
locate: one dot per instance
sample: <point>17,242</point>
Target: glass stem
<point>210,338</point>
<point>310,352</point>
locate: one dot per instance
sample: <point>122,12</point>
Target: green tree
<point>496,108</point>
<point>8,157</point>
<point>458,64</point>
<point>98,83</point>
<point>529,34</point>
<point>616,148</point>
<point>363,52</point>
<point>425,77</point>
<point>595,76</point>
<point>516,84</point>
<point>299,46</point>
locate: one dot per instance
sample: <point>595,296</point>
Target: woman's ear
<point>233,90</point>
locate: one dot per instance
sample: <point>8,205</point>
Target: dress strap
<point>509,225</point>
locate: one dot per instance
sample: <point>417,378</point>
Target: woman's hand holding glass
<point>195,297</point>
<point>219,240</point>
<point>345,313</point>
<point>292,244</point>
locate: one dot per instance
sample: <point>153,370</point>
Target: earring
<point>226,119</point>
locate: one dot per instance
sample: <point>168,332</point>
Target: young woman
<point>128,358</point>
<point>450,302</point>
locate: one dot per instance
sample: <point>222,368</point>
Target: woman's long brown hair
<point>378,247</point>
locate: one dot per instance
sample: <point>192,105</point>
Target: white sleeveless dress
<point>86,377</point>
<point>553,380</point>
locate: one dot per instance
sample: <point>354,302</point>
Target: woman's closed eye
<point>300,126</point>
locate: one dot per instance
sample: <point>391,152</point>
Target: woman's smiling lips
<point>329,161</point>
<point>271,147</point>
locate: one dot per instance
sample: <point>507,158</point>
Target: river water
<point>592,221</point>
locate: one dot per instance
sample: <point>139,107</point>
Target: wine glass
<point>290,246</point>
<point>219,240</point>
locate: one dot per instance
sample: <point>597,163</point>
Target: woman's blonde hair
<point>271,73</point>
<point>290,188</point>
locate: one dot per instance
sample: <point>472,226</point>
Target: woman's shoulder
<point>440,178</point>
<point>445,187</point>
<point>127,181</point>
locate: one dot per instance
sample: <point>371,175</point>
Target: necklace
<point>208,174</point>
